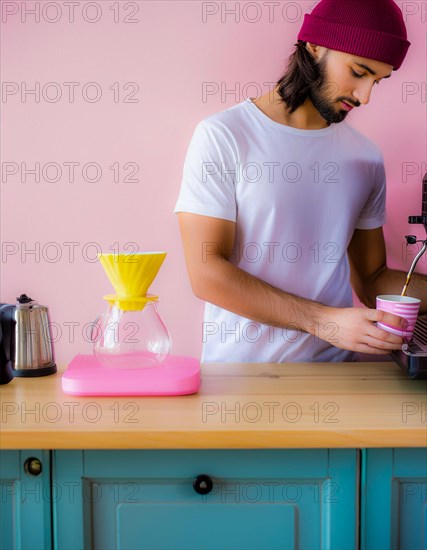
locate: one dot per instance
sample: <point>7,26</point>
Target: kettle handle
<point>7,347</point>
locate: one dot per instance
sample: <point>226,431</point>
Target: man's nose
<point>363,93</point>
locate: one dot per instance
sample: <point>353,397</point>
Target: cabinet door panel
<point>412,526</point>
<point>25,502</point>
<point>173,526</point>
<point>9,503</point>
<point>260,500</point>
<point>169,515</point>
<point>394,506</point>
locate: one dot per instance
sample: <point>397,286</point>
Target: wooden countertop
<point>256,405</point>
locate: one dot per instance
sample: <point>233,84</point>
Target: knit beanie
<point>374,29</point>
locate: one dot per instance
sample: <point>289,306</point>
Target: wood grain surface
<point>252,405</point>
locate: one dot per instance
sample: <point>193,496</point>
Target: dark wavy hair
<point>302,71</point>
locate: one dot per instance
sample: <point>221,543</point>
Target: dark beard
<point>318,94</point>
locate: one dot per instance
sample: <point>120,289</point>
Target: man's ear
<point>313,49</point>
<point>318,52</point>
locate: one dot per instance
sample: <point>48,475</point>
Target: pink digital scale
<point>177,375</point>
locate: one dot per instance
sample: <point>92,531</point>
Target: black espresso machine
<point>412,358</point>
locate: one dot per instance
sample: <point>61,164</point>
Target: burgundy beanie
<point>367,28</point>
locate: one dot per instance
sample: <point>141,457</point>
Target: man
<point>282,202</point>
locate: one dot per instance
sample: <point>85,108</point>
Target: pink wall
<point>170,51</point>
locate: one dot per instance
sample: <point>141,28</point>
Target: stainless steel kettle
<point>26,338</point>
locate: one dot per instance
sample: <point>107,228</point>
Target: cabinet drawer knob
<point>203,484</point>
<point>33,466</point>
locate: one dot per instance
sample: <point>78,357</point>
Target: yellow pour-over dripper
<point>131,276</point>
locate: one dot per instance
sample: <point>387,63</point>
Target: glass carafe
<point>125,339</point>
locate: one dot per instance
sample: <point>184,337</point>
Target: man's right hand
<point>354,329</point>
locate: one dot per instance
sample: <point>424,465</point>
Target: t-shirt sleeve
<point>373,214</point>
<point>209,173</point>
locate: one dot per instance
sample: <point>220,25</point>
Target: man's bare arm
<point>208,243</point>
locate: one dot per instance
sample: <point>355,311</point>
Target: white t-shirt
<point>296,197</point>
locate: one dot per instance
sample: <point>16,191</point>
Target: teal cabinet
<point>394,499</point>
<point>259,500</point>
<point>25,506</point>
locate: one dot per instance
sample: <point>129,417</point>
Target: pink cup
<point>404,306</point>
